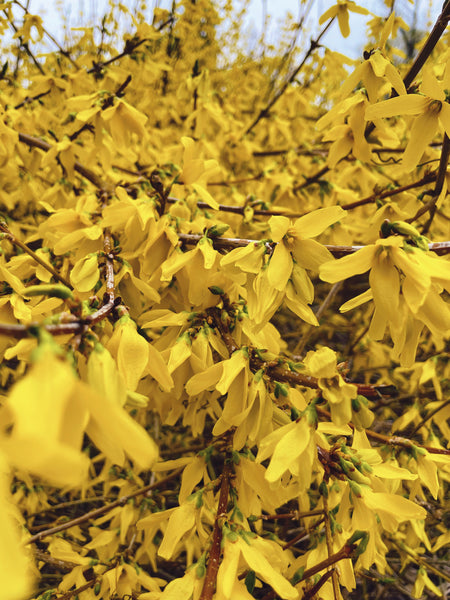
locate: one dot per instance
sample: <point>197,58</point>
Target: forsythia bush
<point>224,310</point>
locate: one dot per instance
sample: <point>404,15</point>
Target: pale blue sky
<point>277,9</point>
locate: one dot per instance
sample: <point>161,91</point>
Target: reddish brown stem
<point>345,552</point>
<point>428,178</point>
<point>292,515</point>
<point>311,592</point>
<point>209,585</point>
<point>429,45</point>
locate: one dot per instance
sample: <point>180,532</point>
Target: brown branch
<point>423,55</point>
<point>429,416</point>
<point>313,179</point>
<point>329,542</point>
<point>345,552</point>
<point>130,47</point>
<point>57,563</point>
<point>75,325</point>
<point>431,205</point>
<point>102,510</point>
<point>30,99</point>
<point>291,515</point>
<point>302,535</point>
<point>277,371</point>
<point>420,560</point>
<point>264,112</point>
<point>311,592</point>
<point>35,142</point>
<point>428,178</point>
<point>387,440</point>
<point>191,239</point>
<point>429,45</point>
<point>209,584</point>
<point>71,593</point>
<point>68,504</point>
<point>240,210</point>
<point>48,267</point>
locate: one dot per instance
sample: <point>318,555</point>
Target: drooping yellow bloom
<point>15,566</point>
<point>347,136</point>
<point>423,581</point>
<point>405,287</point>
<point>340,10</point>
<point>339,394</point>
<point>431,108</point>
<point>265,557</point>
<point>286,445</point>
<point>376,68</point>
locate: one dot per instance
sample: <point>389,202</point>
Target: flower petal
<point>411,104</point>
<point>353,264</point>
<point>422,132</point>
<point>314,223</point>
<point>430,86</point>
<point>280,267</point>
<point>309,254</point>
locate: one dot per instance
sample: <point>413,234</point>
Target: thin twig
<point>57,563</point>
<point>387,440</point>
<point>329,542</point>
<point>345,552</point>
<point>265,111</point>
<point>209,584</point>
<point>429,416</point>
<point>50,37</point>
<point>428,178</point>
<point>24,45</point>
<point>312,591</point>
<point>431,205</point>
<point>47,266</point>
<point>103,509</point>
<point>429,45</point>
<point>35,142</point>
<point>191,239</point>
<point>334,290</point>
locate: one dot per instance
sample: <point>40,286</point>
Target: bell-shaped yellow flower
<point>405,287</point>
<point>294,242</point>
<point>341,10</point>
<point>339,394</point>
<point>431,108</point>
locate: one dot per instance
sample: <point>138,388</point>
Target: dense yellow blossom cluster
<point>224,314</point>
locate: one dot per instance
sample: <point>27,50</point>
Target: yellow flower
<point>403,284</point>
<point>348,137</point>
<point>265,557</point>
<point>288,446</point>
<point>340,10</point>
<point>432,112</point>
<point>339,394</point>
<point>423,581</point>
<point>294,243</point>
<point>376,68</point>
